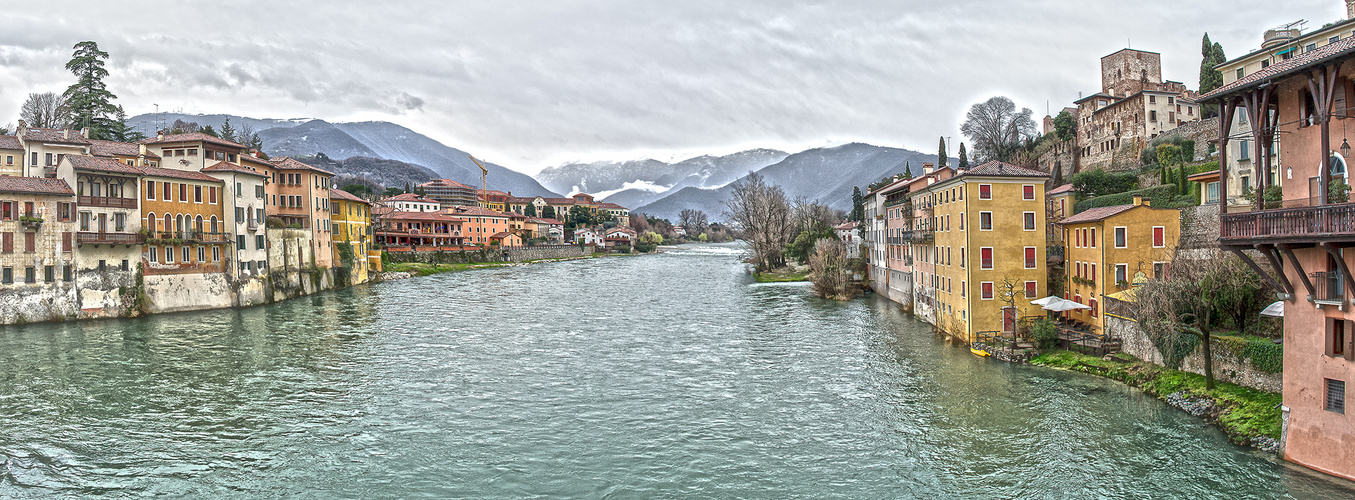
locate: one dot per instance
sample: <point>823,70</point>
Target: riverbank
<point>783,275</point>
<point>1249,416</point>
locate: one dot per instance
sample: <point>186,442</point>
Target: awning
<point>1046,300</point>
<point>1275,309</point>
<point>1129,295</point>
<point>1060,305</point>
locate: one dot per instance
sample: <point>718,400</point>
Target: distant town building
<point>1134,106</point>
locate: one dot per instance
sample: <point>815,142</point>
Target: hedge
<point>1160,196</point>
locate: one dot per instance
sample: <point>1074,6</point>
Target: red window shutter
<point>1158,237</point>
<point>1093,238</point>
<point>1028,192</point>
<point>30,242</point>
<point>211,194</point>
<point>66,241</point>
<point>7,243</point>
<point>985,191</point>
<point>987,290</point>
<point>1093,272</point>
<point>1030,289</point>
<point>1030,258</point>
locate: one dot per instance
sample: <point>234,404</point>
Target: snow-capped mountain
<point>638,182</point>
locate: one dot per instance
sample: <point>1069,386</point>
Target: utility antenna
<point>1299,24</point>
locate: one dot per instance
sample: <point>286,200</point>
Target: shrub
<point>1160,196</point>
<point>1044,333</point>
<point>1094,183</point>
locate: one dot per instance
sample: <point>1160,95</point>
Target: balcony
<point>1328,288</point>
<point>191,236</point>
<point>1313,223</point>
<point>97,238</point>
<point>106,201</point>
<point>919,235</point>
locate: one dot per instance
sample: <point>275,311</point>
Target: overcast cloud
<point>529,84</point>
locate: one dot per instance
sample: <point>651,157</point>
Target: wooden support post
<point>1335,254</point>
<point>1252,264</point>
<point>1273,256</point>
<point>1298,269</point>
<point>1226,111</point>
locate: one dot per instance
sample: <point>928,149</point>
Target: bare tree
<point>183,127</point>
<point>813,216</point>
<point>996,130</point>
<point>763,214</point>
<point>693,221</point>
<point>830,272</point>
<point>46,110</point>
<point>1187,301</point>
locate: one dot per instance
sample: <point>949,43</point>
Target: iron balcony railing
<point>106,201</point>
<point>100,238</point>
<point>919,235</point>
<point>1322,220</point>
<point>192,236</point>
<point>1328,286</point>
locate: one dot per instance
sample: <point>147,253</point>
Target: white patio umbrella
<point>1046,300</point>
<point>1060,305</point>
<point>1275,309</point>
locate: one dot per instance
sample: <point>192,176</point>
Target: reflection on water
<point>659,375</point>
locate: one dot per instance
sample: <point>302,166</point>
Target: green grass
<point>1246,412</point>
<point>422,269</point>
<point>781,277</point>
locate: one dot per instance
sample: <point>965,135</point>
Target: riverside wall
<point>470,255</point>
<point>1228,366</point>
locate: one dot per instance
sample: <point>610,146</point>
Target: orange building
<point>184,225</point>
<point>299,195</point>
<point>481,223</point>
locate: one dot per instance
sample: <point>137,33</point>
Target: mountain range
<point>394,155</point>
<point>383,140</point>
<point>823,174</point>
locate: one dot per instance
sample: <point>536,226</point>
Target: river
<point>632,377</point>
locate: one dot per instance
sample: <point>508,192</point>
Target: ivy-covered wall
<point>1248,362</point>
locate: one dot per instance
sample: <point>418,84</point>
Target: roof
<point>612,206</point>
<point>492,192</point>
<point>115,148</point>
<point>1066,188</point>
<point>445,182</point>
<point>34,185</point>
<point>1095,214</point>
<point>409,197</point>
<point>10,142</point>
<point>178,174</point>
<point>501,234</point>
<point>1285,67</point>
<point>290,164</point>
<point>1211,175</point>
<point>999,169</point>
<point>191,137</point>
<point>424,216</point>
<point>339,194</point>
<point>257,160</point>
<point>543,220</point>
<point>61,136</point>
<point>476,212</point>
<point>851,224</point>
<point>233,168</point>
<point>1317,34</point>
<point>1094,96</point>
<point>101,164</point>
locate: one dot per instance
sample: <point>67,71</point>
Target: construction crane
<point>484,188</point>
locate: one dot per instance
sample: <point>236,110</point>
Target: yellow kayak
<point>979,353</point>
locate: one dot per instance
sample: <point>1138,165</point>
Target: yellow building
<point>1109,248</point>
<point>351,221</point>
<point>986,247</point>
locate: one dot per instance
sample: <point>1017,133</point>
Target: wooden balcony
<point>97,238</point>
<point>1294,225</point>
<point>106,201</point>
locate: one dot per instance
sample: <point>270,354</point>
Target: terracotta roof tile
<point>999,169</point>
<point>346,196</point>
<point>10,142</point>
<point>60,136</point>
<point>445,183</point>
<point>1095,214</point>
<point>231,167</point>
<point>191,137</point>
<point>178,174</point>
<point>1060,190</point>
<point>475,212</point>
<point>409,197</point>
<point>290,164</point>
<point>115,148</point>
<point>101,164</point>
<point>34,185</point>
<point>420,216</point>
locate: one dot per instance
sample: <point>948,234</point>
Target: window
<point>1091,240</point>
<point>1031,289</point>
<point>197,194</point>
<point>211,195</point>
<point>1121,237</point>
<point>1028,221</point>
<point>155,254</point>
<point>66,273</point>
<point>1159,237</point>
<point>168,191</point>
<point>1091,312</point>
<point>258,242</point>
<point>84,220</point>
<point>1160,270</point>
<point>1336,396</point>
<point>985,221</point>
<point>169,255</point>
<point>216,254</point>
<point>1030,258</point>
<point>30,242</point>
<point>49,274</point>
<point>985,191</point>
<point>183,193</point>
<point>192,152</point>
<point>1152,99</point>
<point>1091,267</point>
<point>7,274</point>
<point>1338,339</point>
<point>119,222</point>
<point>64,211</point>
<point>123,265</point>
<point>6,210</point>
<point>986,290</point>
<point>1028,192</point>
<point>1311,47</point>
<point>150,190</point>
<point>1244,150</point>
<point>30,275</point>
<point>202,254</point>
<point>240,242</point>
<point>986,258</point>
<point>1152,115</point>
<point>1239,73</point>
<point>1121,273</point>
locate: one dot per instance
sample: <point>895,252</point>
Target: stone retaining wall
<point>511,254</point>
<point>1227,368</point>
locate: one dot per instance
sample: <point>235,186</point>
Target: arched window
<point>197,224</point>
<point>214,230</point>
<point>150,223</point>
<point>169,223</point>
<point>1337,166</point>
<point>179,224</point>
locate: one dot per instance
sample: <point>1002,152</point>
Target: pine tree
<point>1211,55</point>
<point>89,100</point>
<point>964,158</point>
<point>406,186</point>
<point>530,211</point>
<point>941,154</point>
<point>548,212</point>
<point>228,131</point>
<point>907,171</point>
<point>858,209</point>
<point>209,131</point>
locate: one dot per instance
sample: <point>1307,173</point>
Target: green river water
<point>669,375</point>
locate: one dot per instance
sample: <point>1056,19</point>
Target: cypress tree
<point>1181,187</point>
<point>964,158</point>
<point>941,154</point>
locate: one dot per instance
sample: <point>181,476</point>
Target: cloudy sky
<point>529,84</point>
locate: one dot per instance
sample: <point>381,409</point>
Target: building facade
<point>1111,248</point>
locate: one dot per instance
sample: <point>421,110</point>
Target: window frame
<point>985,191</point>
<point>986,260</point>
<point>1031,256</point>
<point>1159,232</point>
<point>1120,236</point>
<point>986,291</point>
<point>1027,192</point>
<point>988,218</point>
<point>1034,221</point>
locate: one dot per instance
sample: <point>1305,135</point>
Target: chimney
<point>160,135</point>
<point>927,168</point>
<point>1140,202</point>
<point>84,132</point>
<point>65,133</point>
<point>1350,9</point>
